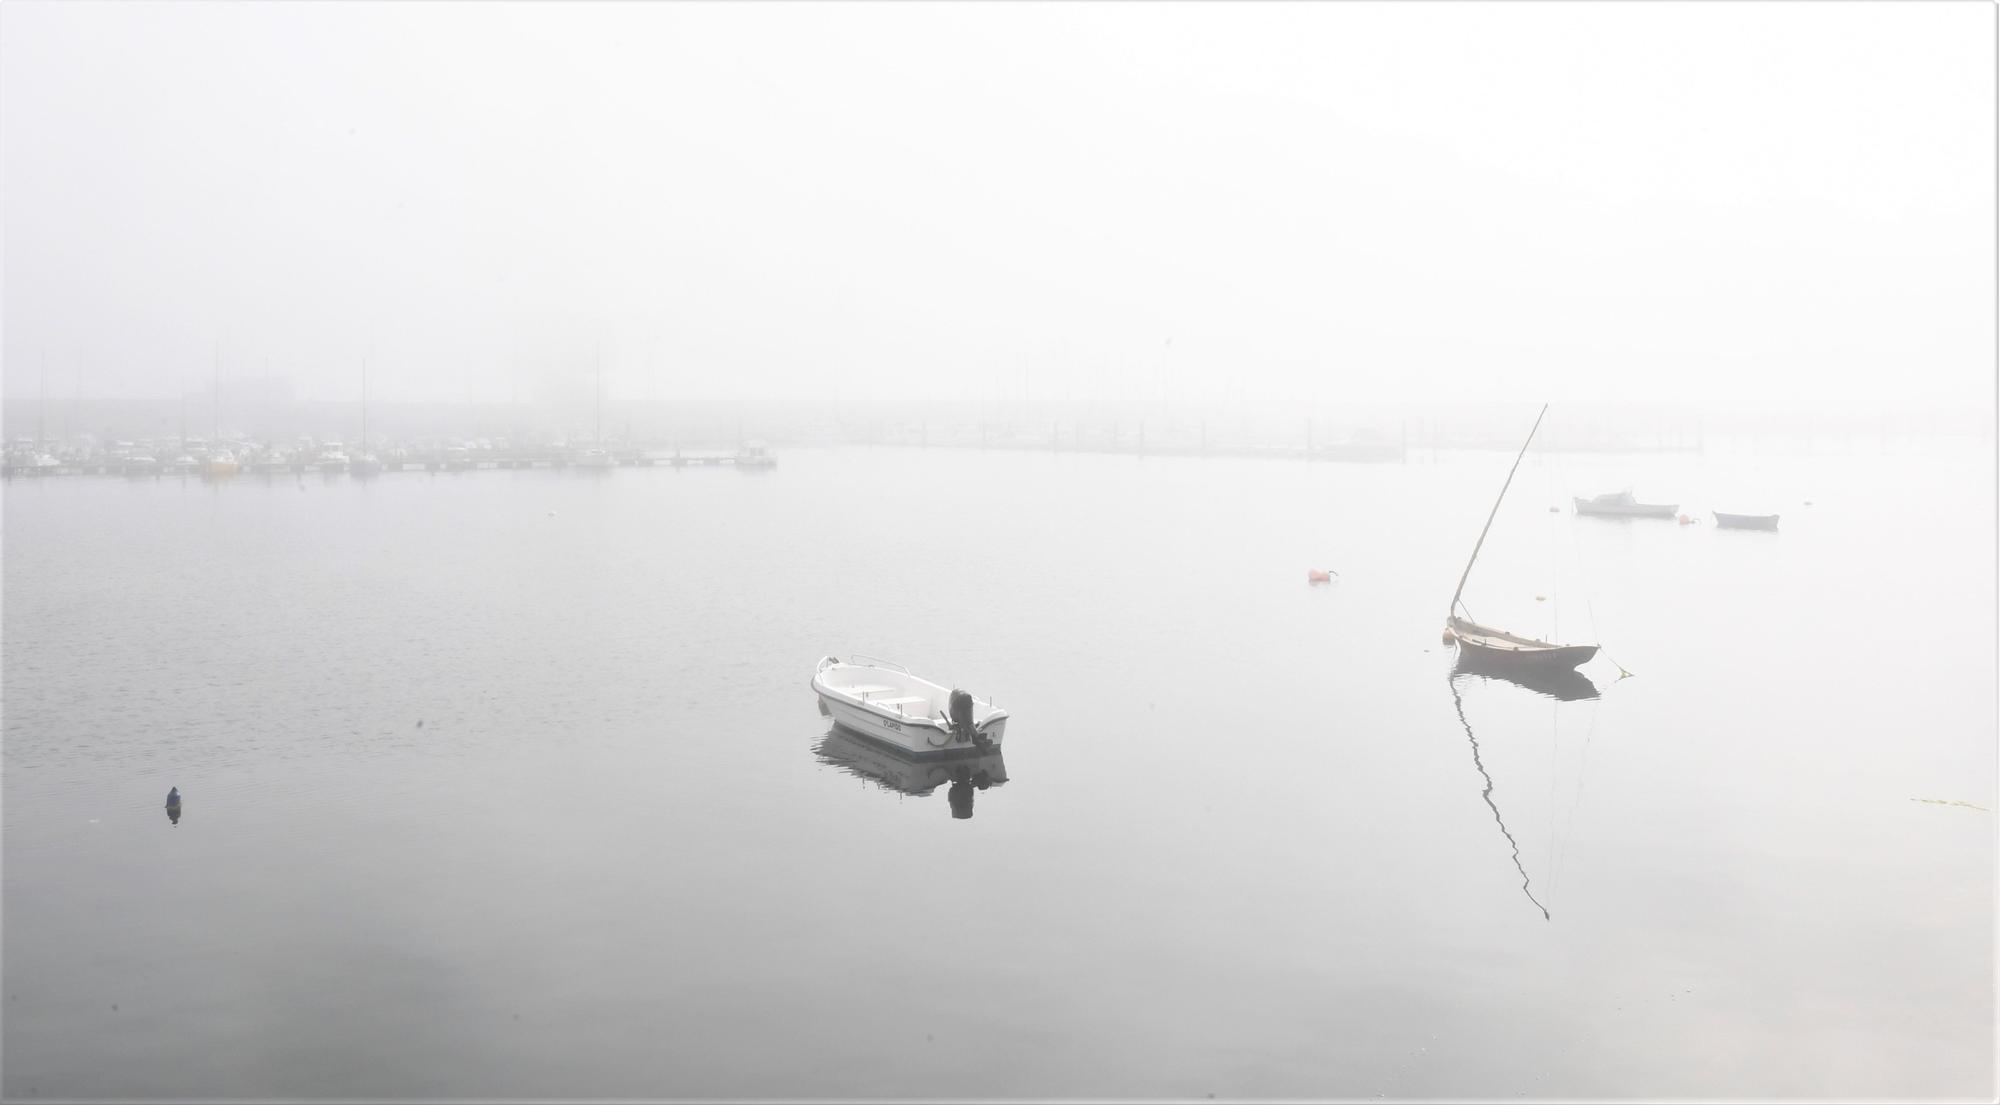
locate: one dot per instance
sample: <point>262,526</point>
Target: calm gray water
<point>1245,846</point>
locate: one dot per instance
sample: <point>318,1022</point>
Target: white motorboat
<point>593,458</point>
<point>882,700</point>
<point>1621,504</point>
<point>332,458</point>
<point>755,454</point>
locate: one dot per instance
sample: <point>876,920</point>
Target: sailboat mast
<point>217,401</point>
<point>1495,511</point>
<point>364,404</point>
<point>600,396</point>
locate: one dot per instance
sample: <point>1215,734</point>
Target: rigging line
<point>1555,592</point>
<point>1551,860</point>
<point>1487,794</point>
<point>1582,769</point>
<point>1590,607</point>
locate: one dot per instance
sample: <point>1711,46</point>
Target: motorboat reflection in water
<point>883,700</point>
<point>893,769</point>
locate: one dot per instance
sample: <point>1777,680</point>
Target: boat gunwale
<point>828,690</point>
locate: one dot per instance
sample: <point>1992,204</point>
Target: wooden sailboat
<point>1498,649</point>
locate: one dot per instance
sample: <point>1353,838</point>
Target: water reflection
<point>896,770</point>
<point>1563,685</point>
<point>1487,795</point>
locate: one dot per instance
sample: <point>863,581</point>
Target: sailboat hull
<point>1498,650</point>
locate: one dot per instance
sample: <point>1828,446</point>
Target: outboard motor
<point>960,713</point>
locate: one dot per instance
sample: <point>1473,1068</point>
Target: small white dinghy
<point>882,700</point>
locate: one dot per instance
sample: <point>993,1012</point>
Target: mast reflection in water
<point>895,770</point>
<point>1487,794</point>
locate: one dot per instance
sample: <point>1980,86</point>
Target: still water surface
<point>511,784</point>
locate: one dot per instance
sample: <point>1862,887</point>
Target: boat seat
<point>898,701</point>
<point>868,689</point>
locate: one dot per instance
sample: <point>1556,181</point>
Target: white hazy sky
<point>1708,202</point>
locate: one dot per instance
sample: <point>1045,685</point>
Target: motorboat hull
<point>914,736</point>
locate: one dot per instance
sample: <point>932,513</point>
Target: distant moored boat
<point>1621,504</point>
<point>1746,521</point>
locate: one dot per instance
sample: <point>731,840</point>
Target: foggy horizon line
<point>57,400</point>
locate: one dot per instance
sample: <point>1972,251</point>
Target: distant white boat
<point>1622,504</point>
<point>755,454</point>
<point>883,700</point>
<point>1746,521</point>
<point>593,458</point>
<point>332,458</point>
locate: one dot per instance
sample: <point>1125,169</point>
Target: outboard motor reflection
<point>963,780</point>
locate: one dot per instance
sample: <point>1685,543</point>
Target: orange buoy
<point>1686,521</point>
<point>1318,575</point>
<point>1450,638</point>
